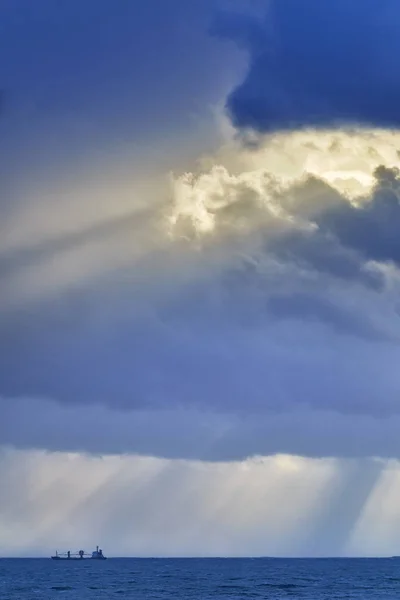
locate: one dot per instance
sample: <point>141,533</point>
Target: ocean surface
<point>200,579</point>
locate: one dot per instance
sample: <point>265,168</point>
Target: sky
<point>199,274</point>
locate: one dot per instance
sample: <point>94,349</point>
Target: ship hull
<point>76,558</point>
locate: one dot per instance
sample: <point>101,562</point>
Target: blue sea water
<point>200,579</point>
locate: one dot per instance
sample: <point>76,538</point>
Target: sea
<point>200,579</point>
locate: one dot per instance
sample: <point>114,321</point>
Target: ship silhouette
<point>80,555</point>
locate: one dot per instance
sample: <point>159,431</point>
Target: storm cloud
<point>247,301</point>
<point>237,316</point>
<point>317,64</point>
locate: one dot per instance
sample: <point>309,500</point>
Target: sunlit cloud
<point>344,159</point>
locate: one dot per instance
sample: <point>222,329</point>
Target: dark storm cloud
<point>314,63</point>
<point>198,434</point>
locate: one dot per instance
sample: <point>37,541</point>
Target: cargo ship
<point>81,555</point>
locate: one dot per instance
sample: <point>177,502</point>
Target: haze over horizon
<point>199,263</point>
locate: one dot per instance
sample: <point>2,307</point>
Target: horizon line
<point>216,557</point>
